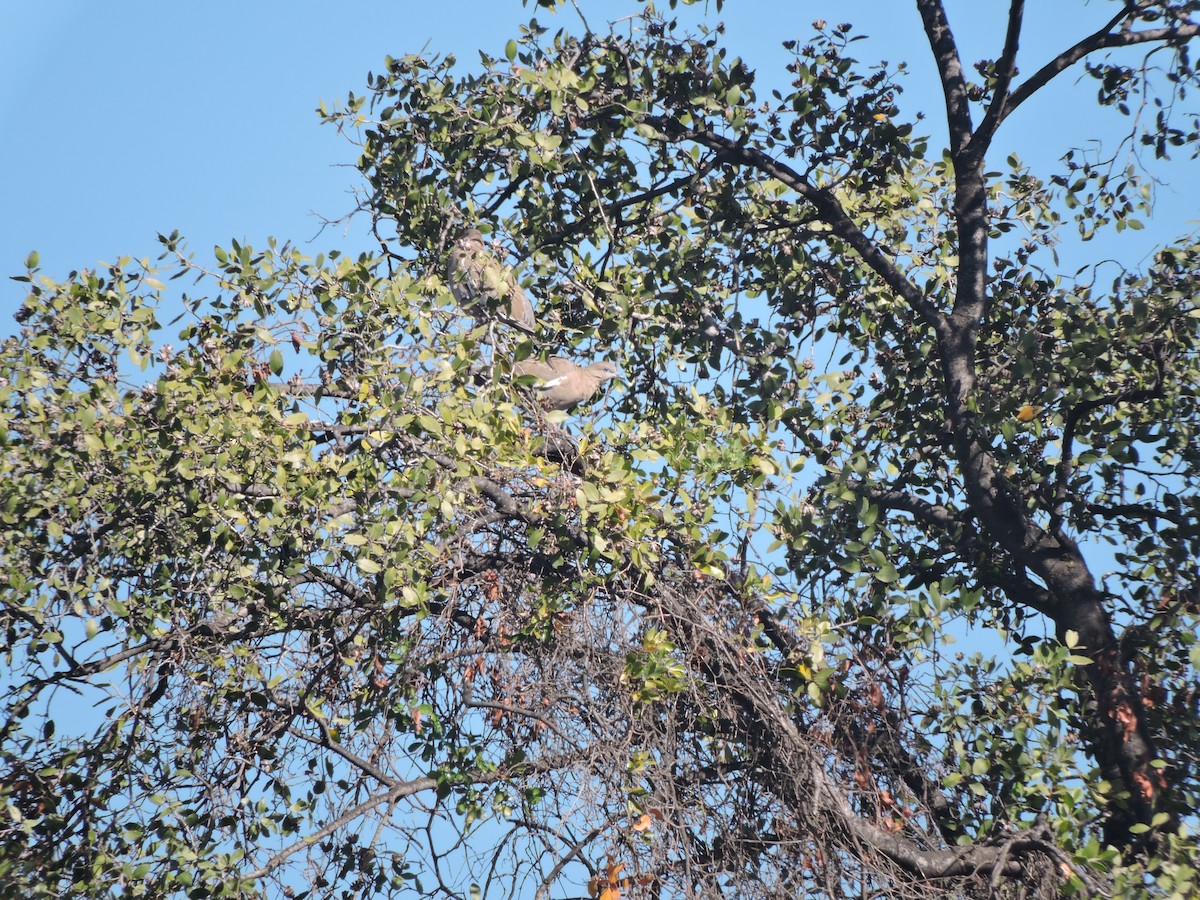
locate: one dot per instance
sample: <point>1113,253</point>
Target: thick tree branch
<point>1023,590</point>
<point>956,345</point>
<point>950,71</point>
<point>1017,586</point>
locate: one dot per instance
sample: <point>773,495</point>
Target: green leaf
<point>887,574</point>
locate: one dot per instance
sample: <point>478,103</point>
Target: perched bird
<point>479,279</point>
<point>561,383</point>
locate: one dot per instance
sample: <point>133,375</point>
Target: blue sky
<point>123,120</point>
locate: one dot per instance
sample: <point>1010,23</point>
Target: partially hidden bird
<point>477,279</point>
<point>561,384</point>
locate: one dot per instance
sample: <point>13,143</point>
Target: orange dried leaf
<point>1145,786</point>
<point>875,695</point>
<point>1126,719</point>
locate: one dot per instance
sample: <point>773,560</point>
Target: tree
<point>360,620</point>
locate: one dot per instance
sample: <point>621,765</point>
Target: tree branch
<point>795,770</point>
<point>560,237</point>
<point>828,209</point>
<point>949,66</point>
<point>1102,38</point>
<point>1066,464</point>
<point>398,791</point>
<point>941,517</point>
<point>1006,68</point>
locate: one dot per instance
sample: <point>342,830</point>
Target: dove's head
<point>471,239</point>
<point>601,372</point>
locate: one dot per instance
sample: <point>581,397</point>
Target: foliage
<point>318,602</point>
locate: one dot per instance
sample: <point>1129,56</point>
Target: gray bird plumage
<point>477,279</point>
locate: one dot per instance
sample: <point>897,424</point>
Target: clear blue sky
<point>125,119</point>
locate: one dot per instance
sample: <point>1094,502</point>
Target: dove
<point>561,383</point>
<point>477,279</point>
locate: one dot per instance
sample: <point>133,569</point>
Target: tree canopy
<point>875,573</point>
